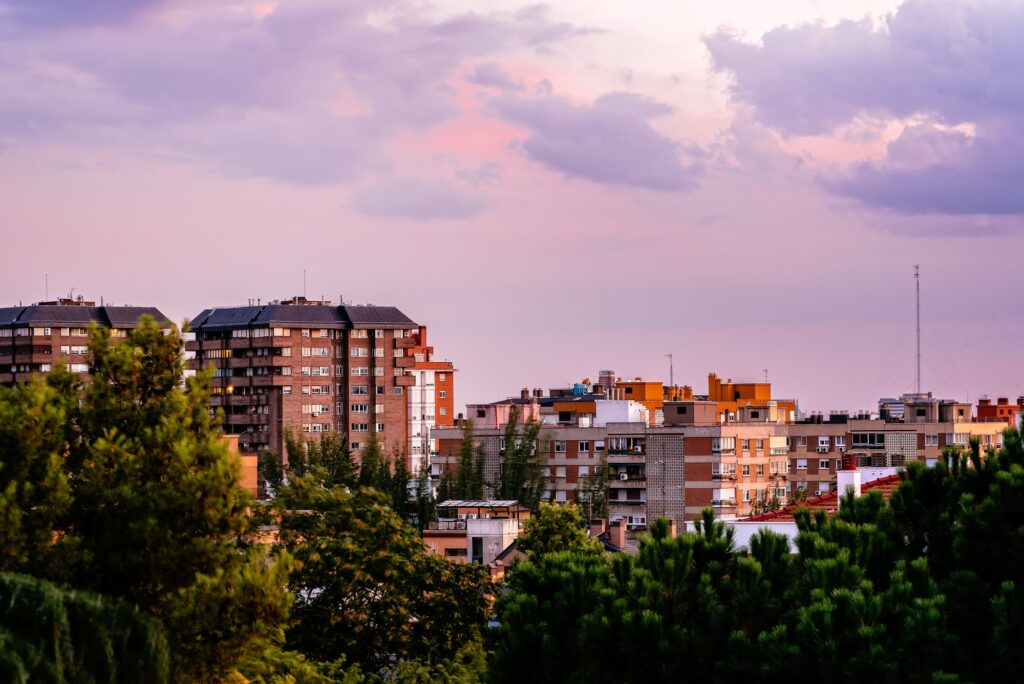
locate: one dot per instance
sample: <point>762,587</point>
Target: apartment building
<point>819,444</point>
<point>308,367</point>
<point>431,399</point>
<point>34,337</point>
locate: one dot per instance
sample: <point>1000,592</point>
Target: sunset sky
<point>552,189</point>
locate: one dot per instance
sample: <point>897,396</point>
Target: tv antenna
<point>671,371</point>
<point>917,286</point>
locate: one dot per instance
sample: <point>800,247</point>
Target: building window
<point>379,389</point>
<point>583,447</point>
<point>931,440</point>
<point>286,390</point>
<point>760,445</point>
<point>760,470</point>
<point>442,394</point>
<point>746,471</point>
<point>443,409</point>
<point>801,464</point>
<point>360,408</point>
<point>559,447</point>
<point>360,427</point>
<point>801,441</point>
<point>746,496</point>
<point>360,389</point>
<point>441,377</point>
<point>380,427</point>
<point>823,464</point>
<point>398,391</point>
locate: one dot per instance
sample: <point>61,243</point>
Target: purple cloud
<point>610,141</point>
<point>253,95</point>
<point>417,199</point>
<point>490,75</point>
<point>943,62</point>
<point>64,13</point>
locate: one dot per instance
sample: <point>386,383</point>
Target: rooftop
<point>308,314</point>
<point>74,315</point>
<point>829,503</point>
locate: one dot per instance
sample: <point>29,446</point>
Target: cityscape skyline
<point>552,190</point>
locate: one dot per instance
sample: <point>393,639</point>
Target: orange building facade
<point>431,400</point>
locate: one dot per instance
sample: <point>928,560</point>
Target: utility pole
<point>671,371</point>
<point>917,285</point>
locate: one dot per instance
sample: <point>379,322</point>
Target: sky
<point>552,189</point>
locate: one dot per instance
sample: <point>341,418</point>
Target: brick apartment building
<point>312,367</point>
<point>34,337</point>
<point>702,456</point>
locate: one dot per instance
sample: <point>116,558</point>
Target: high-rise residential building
<point>308,367</point>
<point>35,337</point>
<point>431,399</point>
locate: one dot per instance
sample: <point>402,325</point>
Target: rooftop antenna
<point>917,285</point>
<point>671,371</point>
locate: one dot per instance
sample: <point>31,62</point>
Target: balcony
<point>405,380</point>
<point>404,361</point>
<point>404,343</point>
<point>723,503</point>
<point>627,502</point>
<point>723,476</point>
<point>639,482</point>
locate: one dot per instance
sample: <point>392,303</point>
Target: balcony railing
<point>446,525</point>
<point>723,503</point>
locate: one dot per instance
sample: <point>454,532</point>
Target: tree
<point>521,477</point>
<point>469,480</point>
<point>34,488</point>
<point>156,515</point>
<point>50,634</point>
<point>556,528</point>
<point>366,590</point>
<point>425,503</point>
<point>592,491</point>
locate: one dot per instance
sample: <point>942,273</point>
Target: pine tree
<point>157,517</point>
<point>522,467</point>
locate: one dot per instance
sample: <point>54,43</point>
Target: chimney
<point>524,393</point>
<point>672,529</point>
<point>538,392</point>
<point>617,534</point>
<point>847,480</point>
<point>597,526</point>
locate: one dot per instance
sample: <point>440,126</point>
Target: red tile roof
<point>828,502</point>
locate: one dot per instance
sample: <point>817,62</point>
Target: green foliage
<point>924,588</point>
<point>425,503</point>
<point>592,491</point>
<point>48,634</point>
<point>469,481</point>
<point>366,590</point>
<point>34,488</point>
<point>124,487</point>
<point>556,528</point>
<point>521,476</point>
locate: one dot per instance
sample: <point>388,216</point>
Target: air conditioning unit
<point>623,476</point>
<point>842,450</point>
<point>822,450</point>
<point>638,449</point>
